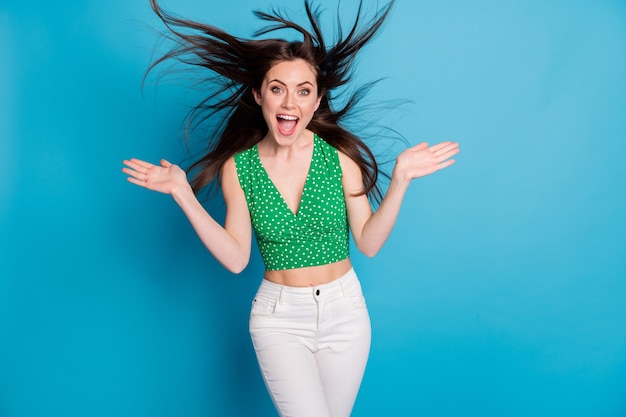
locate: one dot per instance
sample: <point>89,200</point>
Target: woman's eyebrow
<point>276,80</point>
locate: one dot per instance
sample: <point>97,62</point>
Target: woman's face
<point>288,98</point>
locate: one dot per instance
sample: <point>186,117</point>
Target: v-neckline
<point>304,187</point>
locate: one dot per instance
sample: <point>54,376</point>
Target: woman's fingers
<point>445,164</point>
<point>441,149</point>
<point>420,147</point>
<point>444,146</point>
<point>138,165</point>
<point>136,181</point>
<point>445,150</point>
<point>164,177</point>
<point>422,160</point>
<point>438,146</point>
<point>137,171</point>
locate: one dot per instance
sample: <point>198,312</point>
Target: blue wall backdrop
<point>502,291</point>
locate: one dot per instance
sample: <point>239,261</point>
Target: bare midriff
<point>309,276</point>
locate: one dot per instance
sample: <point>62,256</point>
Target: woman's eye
<point>305,92</point>
<point>276,90</point>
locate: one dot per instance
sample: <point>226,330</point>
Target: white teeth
<point>287,117</point>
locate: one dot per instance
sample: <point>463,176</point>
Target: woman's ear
<point>257,96</point>
<point>319,100</point>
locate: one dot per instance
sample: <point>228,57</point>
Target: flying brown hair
<point>237,66</point>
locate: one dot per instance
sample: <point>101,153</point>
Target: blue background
<point>501,291</point>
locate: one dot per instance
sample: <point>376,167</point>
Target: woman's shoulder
<point>320,141</point>
<point>349,167</point>
<point>326,147</point>
<point>244,158</point>
<point>230,165</point>
<point>345,160</point>
<point>245,153</point>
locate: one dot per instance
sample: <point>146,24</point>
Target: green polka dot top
<point>318,233</point>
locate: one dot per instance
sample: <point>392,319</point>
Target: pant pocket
<point>262,307</point>
<point>354,295</point>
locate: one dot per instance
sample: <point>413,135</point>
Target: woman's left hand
<point>422,160</point>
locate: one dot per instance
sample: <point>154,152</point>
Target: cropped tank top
<point>318,233</point>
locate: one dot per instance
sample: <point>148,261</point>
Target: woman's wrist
<point>399,180</point>
<point>183,193</point>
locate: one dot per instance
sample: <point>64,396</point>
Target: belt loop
<point>342,285</point>
<point>281,297</point>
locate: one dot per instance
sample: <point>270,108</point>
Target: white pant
<point>312,345</point>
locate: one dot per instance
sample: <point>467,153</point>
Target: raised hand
<point>164,178</point>
<point>422,160</point>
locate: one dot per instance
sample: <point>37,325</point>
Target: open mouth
<point>286,123</point>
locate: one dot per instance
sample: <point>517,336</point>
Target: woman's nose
<point>288,101</point>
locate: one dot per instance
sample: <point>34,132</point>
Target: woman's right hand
<point>165,178</point>
<point>230,244</point>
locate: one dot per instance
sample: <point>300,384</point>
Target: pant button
<point>317,292</point>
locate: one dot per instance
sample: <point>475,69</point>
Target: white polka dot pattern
<point>318,233</point>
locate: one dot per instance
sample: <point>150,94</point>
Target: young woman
<point>288,170</point>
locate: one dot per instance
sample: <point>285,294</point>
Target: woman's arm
<point>230,244</point>
<point>371,230</point>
